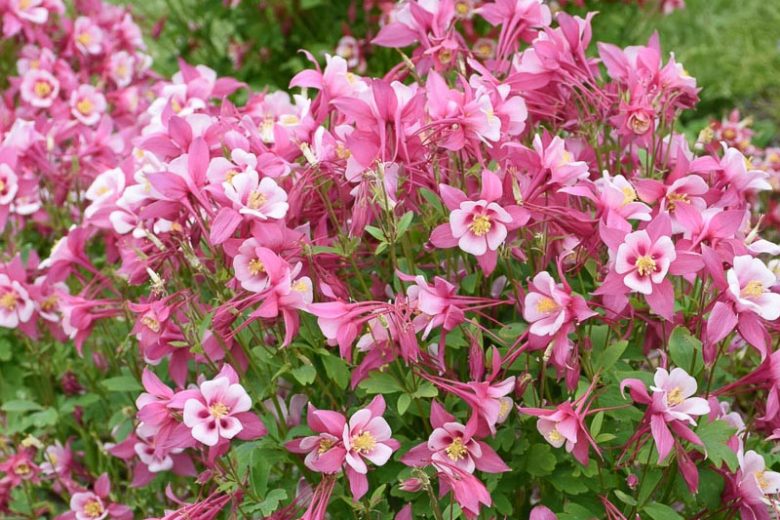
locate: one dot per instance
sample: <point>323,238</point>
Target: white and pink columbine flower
<point>750,283</point>
<point>367,436</point>
<point>87,104</point>
<point>39,88</point>
<point>550,306</point>
<point>121,67</point>
<point>15,304</point>
<point>31,10</point>
<point>479,226</point>
<point>87,36</point>
<point>644,262</point>
<point>564,170</point>
<point>252,265</point>
<point>452,445</point>
<point>95,505</point>
<point>9,185</point>
<point>212,416</point>
<point>105,190</point>
<point>262,199</point>
<point>672,395</point>
<point>753,479</point>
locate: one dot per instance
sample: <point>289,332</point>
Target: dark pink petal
<point>661,300</point>
<point>253,426</point>
<point>102,486</point>
<point>442,238</point>
<point>721,322</point>
<point>440,416</point>
<point>358,483</point>
<point>417,457</point>
<point>490,462</point>
<point>662,436</point>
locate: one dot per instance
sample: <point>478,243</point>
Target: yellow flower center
<point>85,38</point>
<point>93,509</point>
<point>50,303</point>
<point>256,267</point>
<point>546,305</point>
<point>456,450</point>
<point>629,195</point>
<point>325,445</point>
<point>555,435</point>
<point>674,397</point>
<point>22,469</point>
<point>2,186</point>
<point>645,265</point>
<point>566,158</point>
<point>256,200</point>
<point>761,480</point>
<point>364,442</point>
<point>24,4</point>
<point>289,119</point>
<point>218,410</point>
<point>102,190</point>
<point>85,106</point>
<point>462,8</point>
<point>445,56</point>
<point>42,88</point>
<point>342,152</point>
<point>300,286</point>
<point>151,323</point>
<point>175,105</point>
<point>480,225</point>
<point>673,198</point>
<point>753,289</point>
<point>9,300</point>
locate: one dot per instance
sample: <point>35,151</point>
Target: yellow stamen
<point>85,106</point>
<point>256,200</point>
<point>218,410</point>
<point>325,445</point>
<point>175,105</point>
<point>50,303</point>
<point>9,300</point>
<point>22,469</point>
<point>93,509</point>
<point>481,225</point>
<point>151,323</point>
<point>456,450</point>
<point>300,286</point>
<point>673,198</point>
<point>364,442</point>
<point>85,38</point>
<point>753,289</point>
<point>555,436</point>
<point>674,397</point>
<point>645,265</point>
<point>546,305</point>
<point>629,195</point>
<point>256,267</point>
<point>42,88</point>
<point>761,480</point>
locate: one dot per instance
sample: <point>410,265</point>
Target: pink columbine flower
<point>87,36</point>
<point>104,191</point>
<point>478,226</point>
<point>644,262</point>
<point>252,265</point>
<point>94,505</point>
<point>87,104</point>
<point>16,306</point>
<point>9,186</point>
<point>564,170</point>
<point>216,413</point>
<point>121,68</point>
<point>39,88</point>
<point>749,285</point>
<point>366,436</point>
<point>755,483</point>
<point>324,451</point>
<point>31,10</point>
<point>453,444</point>
<point>262,199</point>
<point>672,393</point>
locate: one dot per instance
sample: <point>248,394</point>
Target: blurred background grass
<point>731,46</point>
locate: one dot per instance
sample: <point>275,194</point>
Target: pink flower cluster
<point>476,237</point>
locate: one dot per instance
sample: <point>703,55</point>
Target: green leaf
<point>305,374</point>
<point>469,283</point>
<point>404,223</point>
<point>432,199</point>
<point>715,435</point>
<point>426,389</point>
<point>381,383</point>
<point>5,350</point>
<point>610,355</point>
<point>20,406</point>
<point>271,501</point>
<point>625,498</point>
<point>661,512</point>
<point>47,417</point>
<point>376,233</point>
<point>122,384</point>
<point>595,425</point>
<point>540,460</point>
<point>685,350</point>
<point>404,400</point>
<point>337,370</point>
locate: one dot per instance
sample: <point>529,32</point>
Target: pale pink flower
<point>121,66</point>
<point>87,36</point>
<point>549,306</point>
<point>564,170</point>
<point>644,262</point>
<point>87,104</point>
<point>675,389</point>
<point>9,185</point>
<point>753,479</point>
<point>251,265</point>
<point>262,199</point>
<point>324,451</point>
<point>750,283</point>
<point>15,304</point>
<point>30,10</point>
<point>104,190</point>
<point>88,506</point>
<point>212,417</point>
<point>39,88</point>
<point>479,226</point>
<point>450,444</point>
